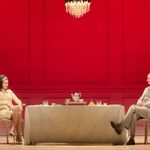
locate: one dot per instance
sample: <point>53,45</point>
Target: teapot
<point>76,96</point>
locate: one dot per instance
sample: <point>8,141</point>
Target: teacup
<point>45,102</point>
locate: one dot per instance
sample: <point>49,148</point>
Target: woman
<point>8,110</point>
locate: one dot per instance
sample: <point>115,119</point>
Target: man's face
<point>148,78</point>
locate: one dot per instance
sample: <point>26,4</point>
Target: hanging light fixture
<point>77,8</point>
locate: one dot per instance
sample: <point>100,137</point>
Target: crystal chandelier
<point>77,8</point>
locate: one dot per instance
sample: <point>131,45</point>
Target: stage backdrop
<point>48,54</point>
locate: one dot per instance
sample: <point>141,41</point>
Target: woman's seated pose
<point>8,110</point>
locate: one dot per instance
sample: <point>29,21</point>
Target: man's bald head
<point>148,78</point>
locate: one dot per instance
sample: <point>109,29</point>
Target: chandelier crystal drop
<point>77,8</point>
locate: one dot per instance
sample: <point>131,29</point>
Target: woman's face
<point>148,78</point>
<point>5,84</point>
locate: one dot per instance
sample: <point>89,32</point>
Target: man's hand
<point>140,104</point>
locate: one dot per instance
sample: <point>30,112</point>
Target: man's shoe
<point>116,127</point>
<point>131,142</point>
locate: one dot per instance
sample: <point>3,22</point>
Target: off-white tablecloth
<point>73,124</point>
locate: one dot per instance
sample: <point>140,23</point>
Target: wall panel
<point>47,53</point>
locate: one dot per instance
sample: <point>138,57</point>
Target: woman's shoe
<point>11,134</point>
<point>19,140</point>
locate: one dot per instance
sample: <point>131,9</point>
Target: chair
<point>7,124</point>
<point>146,123</point>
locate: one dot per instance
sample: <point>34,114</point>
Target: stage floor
<point>139,145</point>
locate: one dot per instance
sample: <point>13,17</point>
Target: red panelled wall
<point>46,53</point>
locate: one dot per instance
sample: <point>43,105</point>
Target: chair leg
<point>7,134</point>
<point>7,139</point>
<point>145,138</point>
<point>22,128</point>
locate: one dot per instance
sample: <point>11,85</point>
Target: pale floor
<point>139,146</point>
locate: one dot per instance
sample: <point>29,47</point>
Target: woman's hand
<point>2,106</point>
<point>20,108</point>
<point>6,105</point>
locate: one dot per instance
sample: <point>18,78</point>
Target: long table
<point>86,124</point>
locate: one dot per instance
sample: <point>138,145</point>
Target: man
<point>135,112</point>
